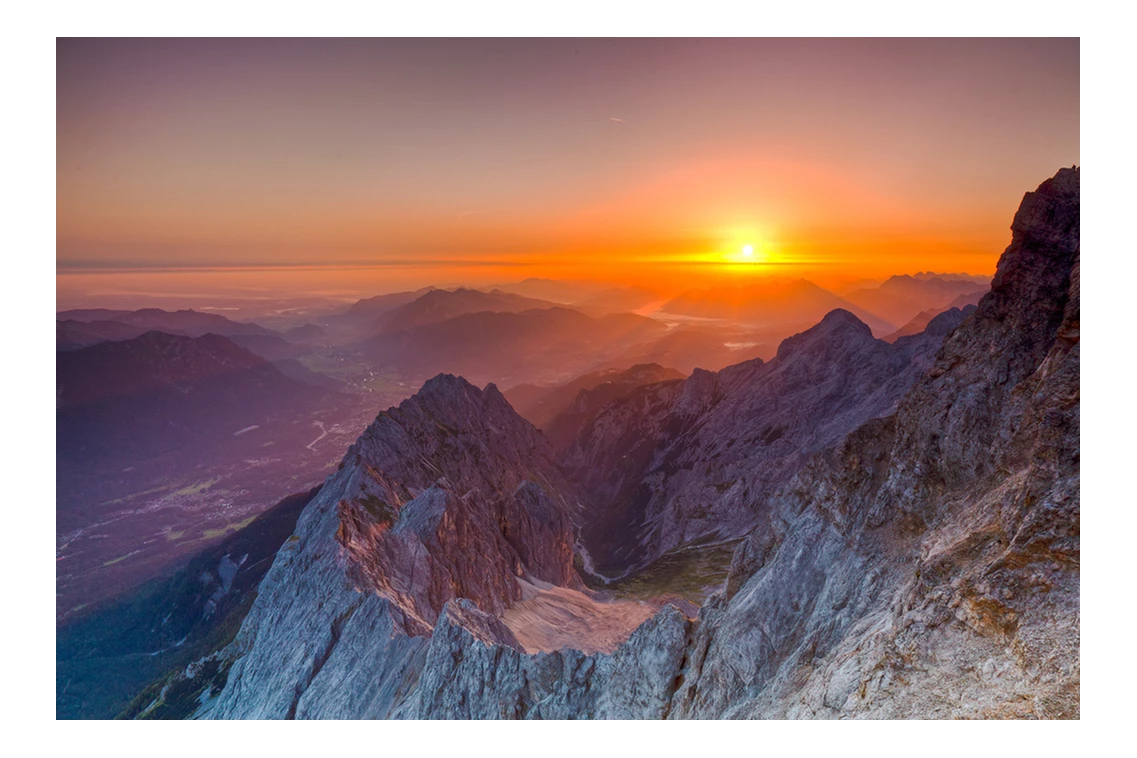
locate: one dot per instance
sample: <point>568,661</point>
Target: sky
<point>432,161</point>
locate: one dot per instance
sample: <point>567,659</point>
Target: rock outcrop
<point>450,495</point>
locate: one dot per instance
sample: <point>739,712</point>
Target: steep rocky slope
<point>929,567</point>
<point>924,566</point>
<point>678,462</point>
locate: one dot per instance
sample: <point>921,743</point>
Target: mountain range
<point>851,528</point>
<point>503,346</point>
<point>900,298</point>
<point>797,302</point>
<point>185,322</point>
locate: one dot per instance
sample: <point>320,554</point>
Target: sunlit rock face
<point>919,557</point>
<point>450,495</point>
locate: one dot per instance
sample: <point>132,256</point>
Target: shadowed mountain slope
<point>158,392</point>
<point>681,462</point>
<point>542,405</point>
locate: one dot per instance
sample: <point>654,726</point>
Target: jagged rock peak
<point>1050,216</point>
<point>838,325</point>
<point>456,398</point>
<point>1033,275</point>
<point>448,386</point>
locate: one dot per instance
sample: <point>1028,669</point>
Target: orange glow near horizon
<point>685,227</point>
<point>368,166</point>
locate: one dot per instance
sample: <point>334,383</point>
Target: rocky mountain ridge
<point>920,558</point>
<point>683,462</point>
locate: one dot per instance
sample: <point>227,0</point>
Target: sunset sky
<point>495,160</point>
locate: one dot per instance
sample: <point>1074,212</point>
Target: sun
<point>746,249</point>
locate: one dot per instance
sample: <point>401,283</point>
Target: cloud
<point>617,120</point>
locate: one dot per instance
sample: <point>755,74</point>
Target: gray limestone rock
<point>674,464</point>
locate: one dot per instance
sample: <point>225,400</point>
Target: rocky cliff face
<point>929,566</point>
<point>683,462</point>
<point>923,565</point>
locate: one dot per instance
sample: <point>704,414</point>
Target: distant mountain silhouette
<point>589,401</point>
<point>915,326</point>
<point>560,291</point>
<point>270,346</point>
<point>294,369</point>
<point>188,322</point>
<point>619,299</point>
<point>901,298</point>
<point>308,334</point>
<point>158,393</point>
<point>688,347</point>
<point>968,299</point>
<point>72,334</point>
<point>87,315</point>
<point>441,305</point>
<point>533,345</point>
<point>983,280</point>
<point>372,307</point>
<point>799,302</point>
